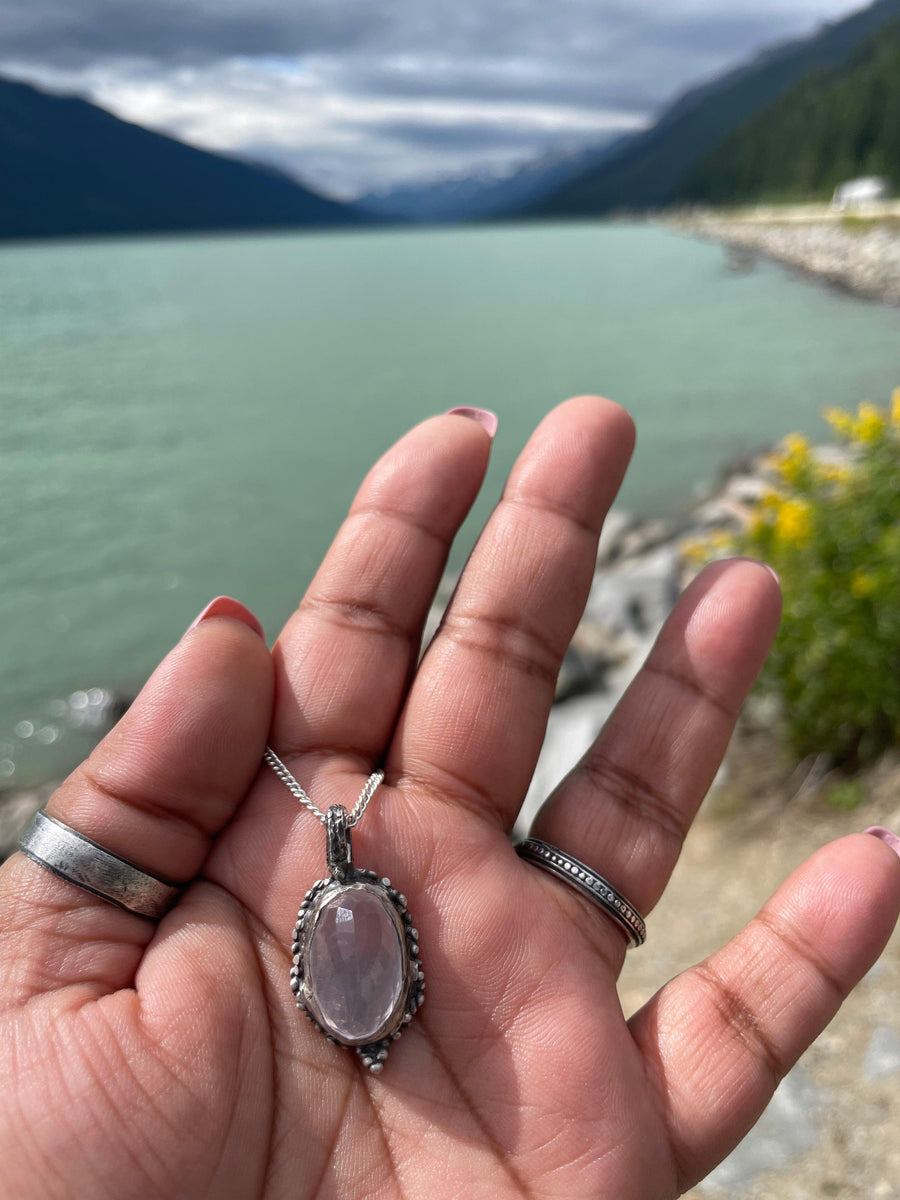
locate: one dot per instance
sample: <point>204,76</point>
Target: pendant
<point>356,971</point>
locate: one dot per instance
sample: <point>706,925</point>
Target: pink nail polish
<point>885,835</point>
<point>225,606</point>
<point>485,418</point>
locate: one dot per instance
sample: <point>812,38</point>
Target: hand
<point>169,1061</point>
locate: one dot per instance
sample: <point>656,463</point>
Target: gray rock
<point>617,524</point>
<point>571,729</point>
<point>786,1130</point>
<point>637,596</point>
<point>882,1053</point>
<point>579,673</point>
<point>647,535</point>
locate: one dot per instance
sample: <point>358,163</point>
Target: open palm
<point>170,1061</point>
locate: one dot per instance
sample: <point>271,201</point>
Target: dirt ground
<point>834,1127</point>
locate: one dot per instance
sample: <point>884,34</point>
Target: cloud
<point>354,93</point>
<point>300,117</point>
<point>78,33</point>
<point>84,32</point>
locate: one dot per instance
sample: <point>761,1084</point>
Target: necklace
<point>355,968</point>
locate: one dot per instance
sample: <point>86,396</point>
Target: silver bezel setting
<point>412,991</point>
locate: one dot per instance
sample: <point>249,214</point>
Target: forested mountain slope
<point>834,125</point>
<point>652,169</point>
<point>69,167</point>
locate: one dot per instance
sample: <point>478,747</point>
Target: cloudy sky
<point>361,94</point>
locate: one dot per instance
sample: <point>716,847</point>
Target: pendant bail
<point>338,852</point>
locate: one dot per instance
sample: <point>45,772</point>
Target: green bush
<point>832,532</point>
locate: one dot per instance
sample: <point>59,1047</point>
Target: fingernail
<point>758,562</point>
<point>886,836</point>
<point>225,606</point>
<point>485,418</point>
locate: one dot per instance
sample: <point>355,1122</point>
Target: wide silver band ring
<point>586,881</point>
<point>75,858</point>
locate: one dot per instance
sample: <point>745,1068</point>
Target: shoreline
<point>857,252</point>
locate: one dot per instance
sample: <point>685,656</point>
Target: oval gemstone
<point>355,965</point>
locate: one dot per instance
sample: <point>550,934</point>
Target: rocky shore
<point>859,253</point>
<point>641,570</point>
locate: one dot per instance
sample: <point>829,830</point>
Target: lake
<point>190,416</point>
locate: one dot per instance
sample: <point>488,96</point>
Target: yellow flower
<point>795,457</point>
<point>793,523</point>
<point>795,443</point>
<point>840,421</point>
<point>702,550</point>
<point>695,551</point>
<point>895,406</point>
<point>771,499</point>
<point>835,473</point>
<point>869,422</point>
<point>861,585</point>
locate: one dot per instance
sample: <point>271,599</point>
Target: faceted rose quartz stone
<point>355,967</point>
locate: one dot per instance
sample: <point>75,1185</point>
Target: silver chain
<point>294,787</point>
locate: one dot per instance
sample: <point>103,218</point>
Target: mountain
<point>482,195</point>
<point>836,124</point>
<point>71,168</point>
<point>650,171</point>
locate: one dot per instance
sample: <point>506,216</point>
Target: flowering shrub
<point>832,532</point>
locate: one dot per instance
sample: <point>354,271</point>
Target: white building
<point>857,192</point>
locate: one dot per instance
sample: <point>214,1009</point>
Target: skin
<point>141,1060</point>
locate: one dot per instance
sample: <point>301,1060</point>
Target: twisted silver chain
<point>294,787</point>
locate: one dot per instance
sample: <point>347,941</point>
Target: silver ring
<point>75,858</point>
<point>589,883</point>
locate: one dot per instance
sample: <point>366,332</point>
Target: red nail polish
<point>485,418</point>
<point>885,835</point>
<point>225,606</point>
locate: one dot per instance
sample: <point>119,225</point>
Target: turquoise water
<point>185,417</point>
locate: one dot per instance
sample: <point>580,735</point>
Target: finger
<point>627,806</point>
<point>344,658</point>
<point>155,791</point>
<point>718,1039</point>
<point>477,710</point>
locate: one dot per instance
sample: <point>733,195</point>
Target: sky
<point>361,95</point>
